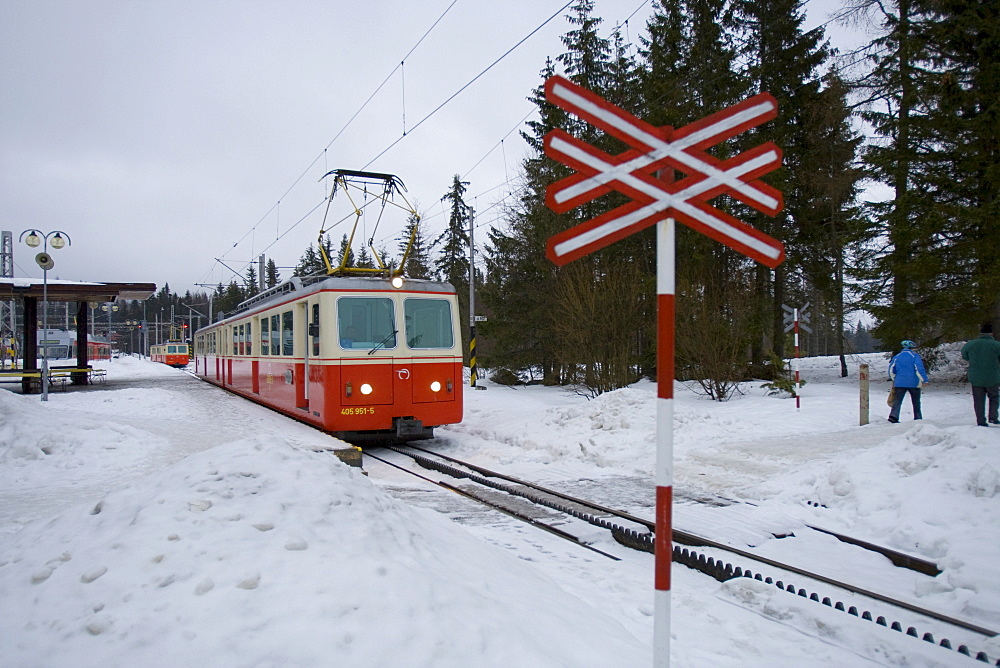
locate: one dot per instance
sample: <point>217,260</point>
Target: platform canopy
<point>74,291</point>
<point>30,291</point>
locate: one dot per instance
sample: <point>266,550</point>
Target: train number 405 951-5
<point>358,410</point>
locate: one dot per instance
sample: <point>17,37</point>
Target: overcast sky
<point>176,140</point>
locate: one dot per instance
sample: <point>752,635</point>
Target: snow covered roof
<point>69,291</point>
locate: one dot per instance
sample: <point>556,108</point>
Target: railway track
<point>497,490</point>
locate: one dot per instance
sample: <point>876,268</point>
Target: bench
<point>58,376</point>
<point>62,374</point>
<point>33,378</point>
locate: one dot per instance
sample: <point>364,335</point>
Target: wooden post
<point>863,375</point>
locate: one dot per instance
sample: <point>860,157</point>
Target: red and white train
<point>366,359</point>
<point>61,344</point>
<point>171,353</point>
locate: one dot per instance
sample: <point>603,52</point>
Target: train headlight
<point>350,389</point>
<point>366,388</point>
<point>449,384</point>
<point>396,282</point>
<point>435,386</point>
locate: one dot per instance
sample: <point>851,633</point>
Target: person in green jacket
<point>983,356</point>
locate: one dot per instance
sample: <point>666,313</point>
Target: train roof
<point>300,286</point>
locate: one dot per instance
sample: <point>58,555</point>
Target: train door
<point>315,371</point>
<point>230,351</point>
<point>302,369</point>
<point>252,352</point>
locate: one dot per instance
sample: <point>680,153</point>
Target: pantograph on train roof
<point>384,188</point>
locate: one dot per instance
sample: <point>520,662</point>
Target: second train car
<point>173,353</point>
<point>366,359</point>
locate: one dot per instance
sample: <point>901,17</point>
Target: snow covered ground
<point>159,521</point>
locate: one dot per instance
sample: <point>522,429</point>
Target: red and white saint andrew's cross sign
<point>633,173</point>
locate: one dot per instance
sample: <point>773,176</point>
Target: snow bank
<point>37,447</point>
<point>257,553</point>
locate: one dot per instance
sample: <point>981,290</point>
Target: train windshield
<point>366,322</point>
<point>428,323</point>
<point>53,352</point>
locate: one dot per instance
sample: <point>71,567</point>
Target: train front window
<point>54,352</point>
<point>428,323</point>
<point>366,322</point>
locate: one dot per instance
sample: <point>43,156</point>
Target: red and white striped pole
<point>798,386</point>
<point>664,439</point>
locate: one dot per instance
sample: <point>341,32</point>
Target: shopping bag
<point>892,396</point>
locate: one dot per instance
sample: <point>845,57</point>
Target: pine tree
<point>418,262</point>
<point>452,263</point>
<point>961,172</point>
<point>932,93</point>
<point>346,254</point>
<point>365,259</point>
<point>271,274</point>
<point>785,61</point>
<point>691,71</point>
<point>250,283</point>
<point>310,263</point>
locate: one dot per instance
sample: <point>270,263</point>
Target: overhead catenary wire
<point>425,118</point>
<point>409,130</point>
<point>469,83</point>
<point>322,153</point>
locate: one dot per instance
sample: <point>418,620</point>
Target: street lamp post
<point>110,308</point>
<point>34,238</point>
<point>131,331</point>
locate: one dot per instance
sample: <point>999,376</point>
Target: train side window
<point>265,336</point>
<point>314,330</point>
<point>287,332</point>
<point>366,322</point>
<point>242,339</point>
<point>428,323</point>
<point>275,334</point>
<point>249,338</point>
<point>236,339</point>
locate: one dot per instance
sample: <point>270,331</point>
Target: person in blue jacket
<point>908,375</point>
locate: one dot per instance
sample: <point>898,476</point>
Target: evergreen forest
<point>890,180</point>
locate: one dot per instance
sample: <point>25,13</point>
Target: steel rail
<point>681,537</point>
<point>513,513</point>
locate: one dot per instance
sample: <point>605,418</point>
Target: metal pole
<point>45,327</point>
<point>864,377</point>
<point>664,439</point>
<point>798,385</point>
<point>472,301</point>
